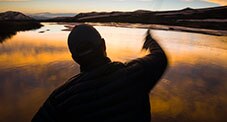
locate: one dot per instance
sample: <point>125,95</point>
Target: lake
<point>33,63</point>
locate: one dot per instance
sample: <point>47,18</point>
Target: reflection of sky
<point>194,48</point>
<point>32,64</point>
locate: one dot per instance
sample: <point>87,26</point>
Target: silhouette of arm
<point>152,66</point>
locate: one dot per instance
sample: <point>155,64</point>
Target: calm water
<point>194,88</point>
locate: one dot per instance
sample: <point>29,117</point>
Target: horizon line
<point>111,11</point>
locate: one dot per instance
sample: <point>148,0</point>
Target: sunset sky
<point>76,6</point>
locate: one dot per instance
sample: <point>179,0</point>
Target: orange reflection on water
<point>34,63</point>
<point>31,48</point>
<point>192,88</point>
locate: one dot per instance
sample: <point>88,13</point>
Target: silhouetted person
<point>104,91</point>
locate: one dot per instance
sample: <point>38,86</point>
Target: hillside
<point>47,15</point>
<point>12,22</point>
<point>14,16</point>
<point>207,18</point>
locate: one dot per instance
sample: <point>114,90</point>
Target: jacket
<point>113,92</point>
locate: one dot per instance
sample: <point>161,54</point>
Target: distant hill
<point>14,16</point>
<point>11,22</point>
<point>153,17</point>
<point>208,18</point>
<point>47,15</point>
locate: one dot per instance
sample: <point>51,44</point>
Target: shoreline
<point>10,28</point>
<point>70,25</point>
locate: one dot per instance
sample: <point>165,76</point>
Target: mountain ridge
<point>186,17</point>
<point>49,15</point>
<point>14,16</point>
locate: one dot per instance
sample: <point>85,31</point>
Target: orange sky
<point>76,6</point>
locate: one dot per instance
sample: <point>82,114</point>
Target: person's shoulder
<point>117,63</point>
<point>111,68</point>
<point>134,66</point>
<point>62,88</point>
<point>73,78</point>
<point>128,68</point>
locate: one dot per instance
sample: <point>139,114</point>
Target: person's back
<point>105,91</point>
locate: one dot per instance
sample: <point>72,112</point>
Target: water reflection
<point>191,93</point>
<point>10,28</point>
<point>194,88</point>
<point>5,36</point>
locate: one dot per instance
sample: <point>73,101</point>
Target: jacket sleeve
<point>151,67</point>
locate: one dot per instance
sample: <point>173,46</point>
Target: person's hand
<point>148,41</point>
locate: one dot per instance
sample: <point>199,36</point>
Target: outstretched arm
<point>153,65</point>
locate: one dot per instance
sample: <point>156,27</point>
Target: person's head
<point>86,44</point>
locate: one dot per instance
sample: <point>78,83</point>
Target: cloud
<point>220,2</point>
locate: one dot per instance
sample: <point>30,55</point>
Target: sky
<point>77,6</point>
